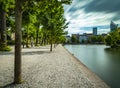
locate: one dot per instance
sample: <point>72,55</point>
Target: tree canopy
<point>47,14</point>
<point>113,38</point>
<point>37,20</point>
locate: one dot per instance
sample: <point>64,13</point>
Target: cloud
<point>105,6</point>
<point>90,13</point>
<point>108,6</point>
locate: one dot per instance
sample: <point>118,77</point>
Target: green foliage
<point>62,39</point>
<point>46,13</point>
<point>73,39</point>
<point>6,4</point>
<point>5,48</point>
<point>11,42</point>
<point>93,39</point>
<point>100,39</point>
<point>66,1</point>
<point>113,38</point>
<point>108,40</point>
<point>53,21</point>
<point>97,39</point>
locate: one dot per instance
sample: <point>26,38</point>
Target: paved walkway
<point>44,69</point>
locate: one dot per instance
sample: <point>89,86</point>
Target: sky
<point>83,15</point>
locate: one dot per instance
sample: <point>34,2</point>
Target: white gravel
<point>44,69</point>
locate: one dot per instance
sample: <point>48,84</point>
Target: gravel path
<point>44,69</point>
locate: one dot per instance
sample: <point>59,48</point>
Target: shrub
<point>5,48</point>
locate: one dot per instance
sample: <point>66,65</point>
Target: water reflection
<point>102,60</point>
<point>114,59</point>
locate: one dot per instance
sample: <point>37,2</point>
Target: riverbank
<point>44,69</point>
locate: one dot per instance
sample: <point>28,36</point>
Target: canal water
<point>102,60</point>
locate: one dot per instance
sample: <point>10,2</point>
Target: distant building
<point>94,30</point>
<point>68,39</point>
<point>113,26</point>
<point>84,38</point>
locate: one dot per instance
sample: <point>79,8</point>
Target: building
<point>94,30</point>
<point>68,39</point>
<point>84,38</point>
<point>113,26</point>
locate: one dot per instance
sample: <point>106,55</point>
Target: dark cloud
<point>73,9</point>
<point>86,14</point>
<point>73,6</point>
<point>116,18</point>
<point>98,6</point>
<point>108,6</point>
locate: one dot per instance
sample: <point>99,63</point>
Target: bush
<point>113,39</point>
<point>5,48</point>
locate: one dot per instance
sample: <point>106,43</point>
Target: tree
<point>73,39</point>
<point>3,26</point>
<point>4,5</point>
<point>108,40</point>
<point>93,39</point>
<point>100,39</point>
<point>26,23</point>
<point>32,16</point>
<point>113,38</point>
<point>53,21</point>
<point>18,24</point>
<point>19,5</point>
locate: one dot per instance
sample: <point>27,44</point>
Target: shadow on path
<point>8,85</point>
<point>26,53</point>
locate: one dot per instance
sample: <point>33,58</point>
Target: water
<point>101,60</point>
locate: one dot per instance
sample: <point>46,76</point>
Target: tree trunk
<point>18,23</point>
<point>37,30</point>
<point>27,46</point>
<point>51,46</point>
<point>51,43</point>
<point>3,42</point>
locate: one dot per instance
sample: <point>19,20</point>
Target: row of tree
<point>39,19</point>
<point>112,39</point>
<point>93,40</point>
